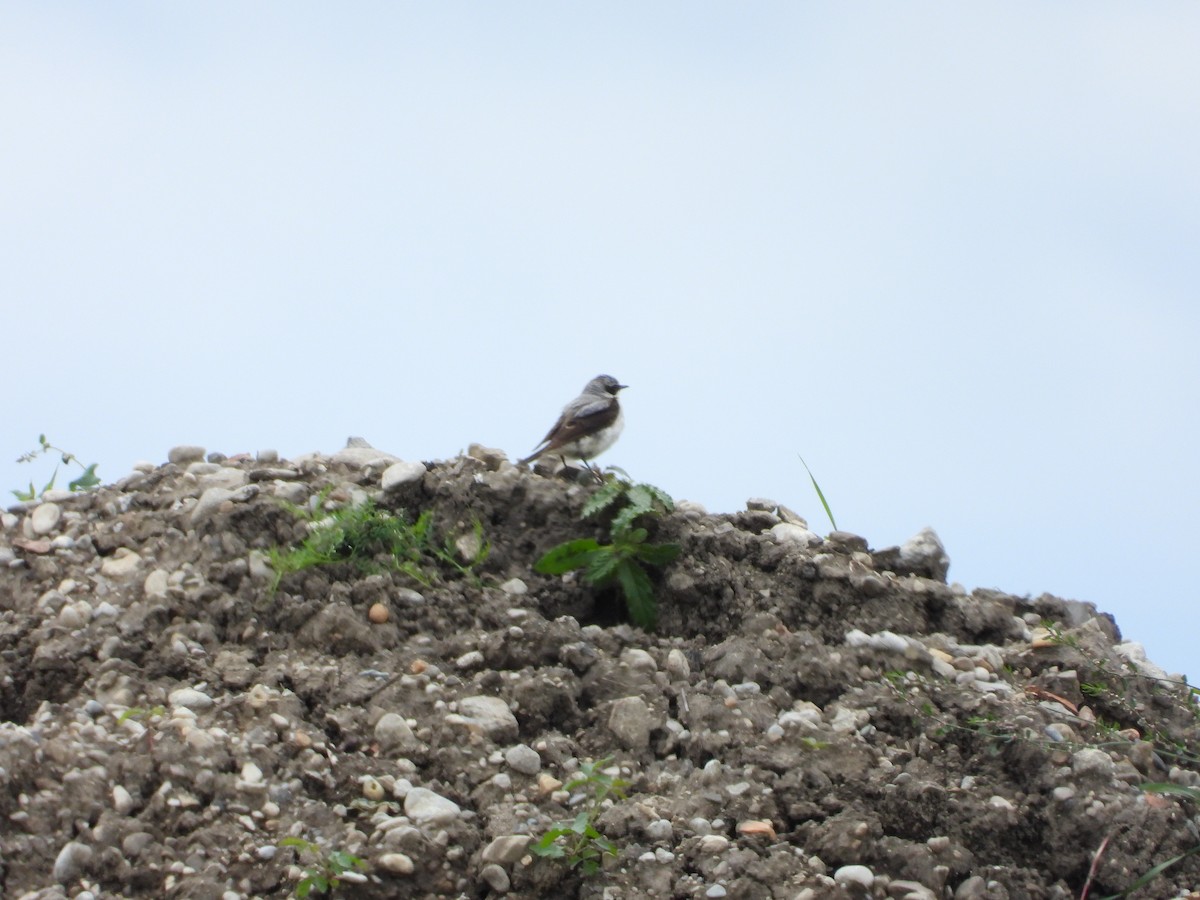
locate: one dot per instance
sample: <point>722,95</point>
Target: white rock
<point>508,848</point>
<point>209,502</point>
<point>789,533</point>
<point>856,875</point>
<point>677,665</point>
<point>1092,761</point>
<point>401,473</point>
<point>925,548</point>
<point>185,453</point>
<point>45,518</point>
<point>490,715</point>
<point>123,563</point>
<point>425,807</point>
<point>122,800</point>
<point>224,477</point>
<point>358,456</point>
<point>514,587</point>
<point>639,660</point>
<point>71,860</point>
<point>155,585</point>
<point>712,844</point>
<point>496,878</point>
<point>392,732</point>
<point>524,759</point>
<point>189,698</point>
<point>396,863</point>
<point>631,721</point>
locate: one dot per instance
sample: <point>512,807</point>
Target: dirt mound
<point>809,719</point>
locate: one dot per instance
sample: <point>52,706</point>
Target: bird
<point>589,424</point>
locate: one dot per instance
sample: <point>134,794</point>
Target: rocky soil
<point>811,718</point>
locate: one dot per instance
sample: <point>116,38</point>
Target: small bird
<point>589,424</point>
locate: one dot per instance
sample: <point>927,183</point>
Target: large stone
<point>489,715</point>
<point>45,518</point>
<point>631,721</point>
<point>425,807</point>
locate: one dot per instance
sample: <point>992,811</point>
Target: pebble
<point>660,830</point>
<point>378,614</point>
<point>372,789</point>
<point>716,890</point>
<point>190,698</point>
<point>45,518</point>
<point>496,878</point>
<point>677,665</point>
<point>1092,762</point>
<point>123,563</point>
<point>508,848</point>
<point>396,863</point>
<point>393,732</point>
<point>631,720</point>
<point>470,660</point>
<point>399,474</point>
<point>425,807</point>
<point>72,859</point>
<point>515,587</point>
<point>925,550</point>
<point>713,844</point>
<point>122,800</point>
<point>490,715</point>
<point>524,759</point>
<point>790,533</point>
<point>222,477</point>
<point>155,585</point>
<point>185,453</point>
<point>860,876</point>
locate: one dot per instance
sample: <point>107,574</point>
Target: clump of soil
<point>811,718</point>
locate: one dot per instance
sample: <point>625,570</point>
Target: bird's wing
<point>587,419</point>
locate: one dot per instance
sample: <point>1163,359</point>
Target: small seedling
<point>624,560</point>
<point>326,870</point>
<point>371,538</point>
<point>578,841</point>
<point>84,482</point>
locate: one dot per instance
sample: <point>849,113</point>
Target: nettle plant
<point>579,842</point>
<point>624,559</point>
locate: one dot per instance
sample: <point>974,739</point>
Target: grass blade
<point>820,494</point>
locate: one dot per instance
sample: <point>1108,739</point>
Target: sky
<point>946,252</point>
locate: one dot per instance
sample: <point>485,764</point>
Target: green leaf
<point>1168,788</point>
<point>565,557</point>
<point>602,563</point>
<point>50,484</point>
<point>623,521</point>
<point>639,593</point>
<point>87,480</point>
<point>26,495</point>
<point>581,823</point>
<point>604,497</point>
<point>640,499</point>
<point>662,497</point>
<point>817,488</point>
<point>657,554</point>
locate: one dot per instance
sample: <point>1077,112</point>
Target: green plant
<point>820,493</point>
<point>369,538</point>
<point>84,482</point>
<point>623,561</point>
<point>326,870</point>
<point>578,841</point>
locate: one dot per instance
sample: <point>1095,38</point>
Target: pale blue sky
<point>946,251</point>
